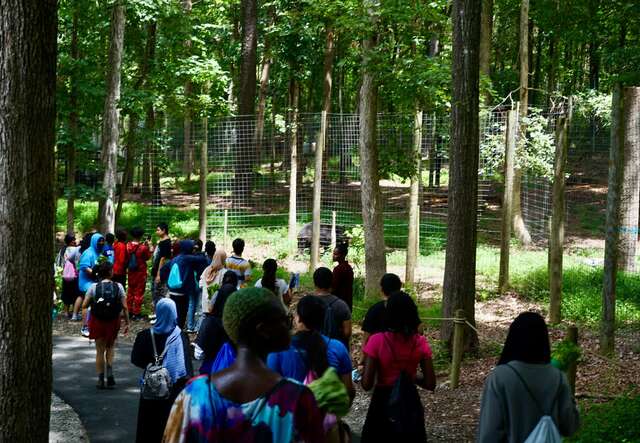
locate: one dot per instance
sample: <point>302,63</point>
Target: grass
<point>613,421</point>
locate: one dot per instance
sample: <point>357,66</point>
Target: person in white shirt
<point>276,285</point>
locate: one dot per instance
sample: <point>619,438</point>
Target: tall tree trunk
<point>486,31</point>
<point>262,103</point>
<point>27,138</point>
<point>187,159</point>
<point>204,172</point>
<point>148,157</point>
<point>294,94</point>
<point>613,222</point>
<point>153,154</point>
<point>74,128</point>
<point>246,98</point>
<point>247,87</point>
<point>553,67</point>
<point>594,65</point>
<point>375,259</point>
<point>110,119</point>
<point>537,70</point>
<point>267,61</point>
<point>519,229</point>
<point>413,237</point>
<point>329,54</point>
<point>129,163</point>
<point>630,194</point>
<point>460,263</point>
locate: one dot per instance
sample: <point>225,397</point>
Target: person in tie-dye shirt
<point>248,402</point>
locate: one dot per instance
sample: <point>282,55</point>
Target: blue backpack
<point>175,279</point>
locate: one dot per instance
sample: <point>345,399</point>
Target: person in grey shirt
<point>524,386</point>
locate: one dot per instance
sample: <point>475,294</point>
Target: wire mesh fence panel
<point>249,176</point>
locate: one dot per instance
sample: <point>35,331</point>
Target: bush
<point>614,421</point>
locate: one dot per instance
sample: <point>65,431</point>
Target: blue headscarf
<point>166,323</point>
<point>166,316</point>
<point>88,260</point>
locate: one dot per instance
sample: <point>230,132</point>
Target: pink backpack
<point>69,272</point>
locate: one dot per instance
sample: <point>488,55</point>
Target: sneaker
<point>152,317</point>
<point>85,331</point>
<point>153,322</point>
<point>76,317</point>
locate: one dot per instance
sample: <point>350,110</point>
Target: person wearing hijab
<point>211,335</point>
<point>152,413</point>
<point>524,386</point>
<point>190,267</point>
<point>211,276</point>
<point>247,401</point>
<point>86,277</point>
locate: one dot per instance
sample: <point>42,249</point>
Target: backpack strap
<point>535,400</point>
<point>155,351</point>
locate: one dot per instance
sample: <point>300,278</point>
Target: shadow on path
<point>108,415</point>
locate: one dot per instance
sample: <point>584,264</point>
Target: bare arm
<point>346,329</point>
<point>428,378</point>
<point>287,296</point>
<point>369,375</point>
<point>365,339</point>
<point>348,383</point>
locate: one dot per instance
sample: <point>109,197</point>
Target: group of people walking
<point>275,371</point>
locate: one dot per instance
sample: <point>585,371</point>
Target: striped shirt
<point>240,266</point>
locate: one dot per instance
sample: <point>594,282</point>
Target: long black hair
<point>402,314</point>
<point>527,341</point>
<point>310,311</point>
<point>229,286</point>
<point>270,267</point>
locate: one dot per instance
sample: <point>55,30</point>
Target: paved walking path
<point>108,415</point>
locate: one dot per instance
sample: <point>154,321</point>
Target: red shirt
<point>143,253</point>
<point>395,354</point>
<point>342,283</point>
<point>120,258</point>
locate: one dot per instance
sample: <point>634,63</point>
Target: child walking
<point>107,301</point>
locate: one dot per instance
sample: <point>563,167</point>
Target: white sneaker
<point>152,317</point>
<point>153,322</point>
<point>85,331</point>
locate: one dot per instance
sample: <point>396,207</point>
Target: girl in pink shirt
<point>387,354</point>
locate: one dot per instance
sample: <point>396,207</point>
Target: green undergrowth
<point>582,293</point>
<point>615,421</point>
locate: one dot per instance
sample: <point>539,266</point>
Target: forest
<point>486,151</point>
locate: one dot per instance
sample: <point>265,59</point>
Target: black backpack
<point>107,303</point>
<point>404,407</point>
<point>329,326</point>
<point>133,260</point>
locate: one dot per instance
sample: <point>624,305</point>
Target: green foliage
<point>592,104</point>
<point>582,293</point>
<point>613,421</point>
<point>564,353</point>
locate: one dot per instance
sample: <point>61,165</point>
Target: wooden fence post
<point>507,199</point>
<point>572,336</point>
<point>556,240</point>
<point>458,345</point>
<point>334,236</point>
<point>225,230</point>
